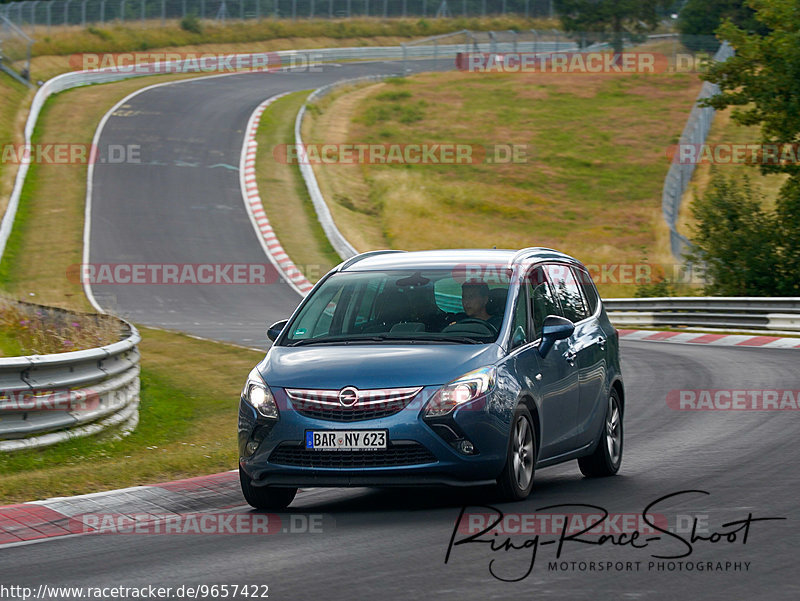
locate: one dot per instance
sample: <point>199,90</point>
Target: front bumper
<point>434,461</point>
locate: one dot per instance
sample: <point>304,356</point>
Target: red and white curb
<point>25,523</point>
<point>255,209</point>
<point>710,339</point>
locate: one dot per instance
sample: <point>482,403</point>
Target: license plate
<point>346,440</point>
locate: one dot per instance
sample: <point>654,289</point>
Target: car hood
<point>373,366</point>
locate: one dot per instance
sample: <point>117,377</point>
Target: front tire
<point>516,480</point>
<point>607,457</point>
<point>265,497</point>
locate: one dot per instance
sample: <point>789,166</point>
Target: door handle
<point>601,341</point>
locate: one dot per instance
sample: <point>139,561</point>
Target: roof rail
<point>523,252</point>
<point>353,260</point>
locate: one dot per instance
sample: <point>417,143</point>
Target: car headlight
<point>257,393</point>
<point>462,390</point>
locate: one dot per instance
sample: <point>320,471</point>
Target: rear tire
<point>607,457</point>
<point>265,497</point>
<point>516,480</point>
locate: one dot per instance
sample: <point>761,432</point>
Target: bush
<point>192,24</point>
<point>735,241</point>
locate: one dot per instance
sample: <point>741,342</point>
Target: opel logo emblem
<point>348,396</point>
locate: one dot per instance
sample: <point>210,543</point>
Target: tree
<point>614,18</point>
<point>700,19</point>
<point>735,241</point>
<point>762,84</point>
<point>762,81</point>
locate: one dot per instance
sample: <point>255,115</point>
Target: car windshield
<point>412,306</point>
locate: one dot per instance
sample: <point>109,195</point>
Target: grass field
<point>190,387</point>
<point>589,185</point>
<point>284,195</point>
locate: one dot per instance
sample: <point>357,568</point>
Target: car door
<point>587,347</point>
<point>553,380</point>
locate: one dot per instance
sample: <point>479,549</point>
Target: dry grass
<point>591,184</point>
<point>36,330</point>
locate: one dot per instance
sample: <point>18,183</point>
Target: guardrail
<point>46,399</point>
<point>724,313</point>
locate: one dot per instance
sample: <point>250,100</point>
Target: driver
<point>474,297</point>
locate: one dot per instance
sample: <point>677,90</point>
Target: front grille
<point>369,404</point>
<point>407,453</point>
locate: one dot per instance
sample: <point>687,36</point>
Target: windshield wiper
<point>385,338</point>
<point>437,338</point>
<point>337,339</point>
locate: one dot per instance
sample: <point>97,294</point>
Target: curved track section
<point>392,544</point>
<point>182,203</point>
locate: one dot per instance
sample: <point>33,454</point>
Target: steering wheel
<point>492,329</point>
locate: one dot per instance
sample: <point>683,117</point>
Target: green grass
<point>10,262</point>
<point>284,195</point>
<point>12,99</point>
<point>10,345</point>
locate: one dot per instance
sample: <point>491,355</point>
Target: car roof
<point>432,259</point>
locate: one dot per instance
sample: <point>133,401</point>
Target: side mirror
<point>276,328</point>
<point>554,328</point>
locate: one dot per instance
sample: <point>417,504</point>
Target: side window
<point>589,291</point>
<point>519,326</point>
<point>318,320</point>
<point>543,303</point>
<point>568,292</point>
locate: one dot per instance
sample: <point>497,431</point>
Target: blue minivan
<point>451,367</point>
